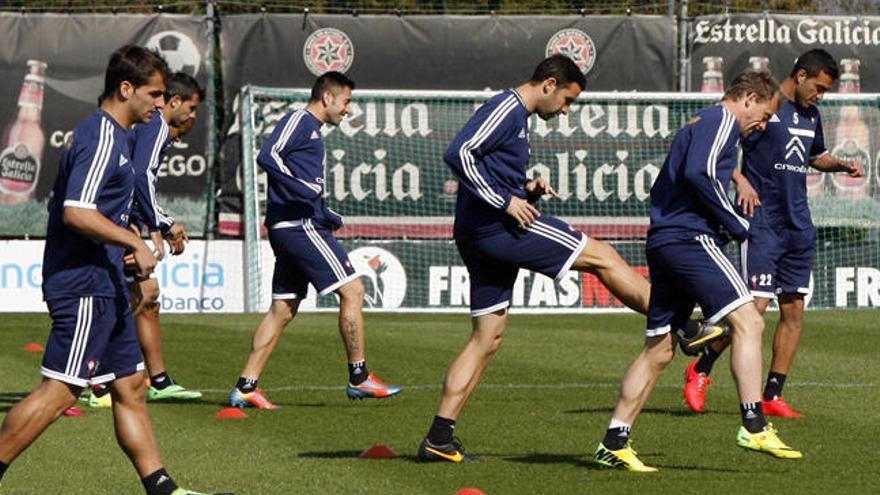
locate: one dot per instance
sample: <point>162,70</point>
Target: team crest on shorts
<point>328,49</point>
<point>576,45</point>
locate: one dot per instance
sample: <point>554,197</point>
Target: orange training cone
<point>230,413</point>
<point>470,491</point>
<point>379,451</point>
<point>73,412</point>
<point>34,348</point>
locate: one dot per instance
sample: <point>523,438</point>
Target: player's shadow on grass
<point>10,399</point>
<point>648,410</point>
<point>584,461</point>
<point>351,454</point>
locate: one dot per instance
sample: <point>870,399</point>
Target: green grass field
<point>543,405</point>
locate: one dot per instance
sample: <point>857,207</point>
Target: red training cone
<point>34,348</point>
<point>379,451</point>
<point>230,413</point>
<point>470,491</point>
<point>73,412</point>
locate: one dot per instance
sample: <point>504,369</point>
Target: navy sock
<point>707,360</point>
<point>159,483</point>
<point>616,438</point>
<point>357,372</point>
<point>246,385</point>
<point>773,387</point>
<point>161,381</point>
<point>3,467</point>
<point>441,430</point>
<point>753,416</point>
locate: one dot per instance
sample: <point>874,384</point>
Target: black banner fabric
<point>724,45</point>
<point>431,52</point>
<point>51,73</point>
<point>445,52</point>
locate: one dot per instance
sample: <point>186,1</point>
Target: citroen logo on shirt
<point>795,147</point>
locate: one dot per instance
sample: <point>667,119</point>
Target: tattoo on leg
<point>351,334</point>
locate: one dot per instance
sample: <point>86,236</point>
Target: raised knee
<point>352,291</point>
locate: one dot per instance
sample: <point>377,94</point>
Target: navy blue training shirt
<point>95,172</point>
<point>690,194</point>
<point>149,142</point>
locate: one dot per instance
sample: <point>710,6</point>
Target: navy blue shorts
<point>93,340</point>
<point>305,254</point>
<point>778,261</point>
<point>549,246</point>
<point>691,272</point>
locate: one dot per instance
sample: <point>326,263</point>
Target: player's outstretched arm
<point>829,163</point>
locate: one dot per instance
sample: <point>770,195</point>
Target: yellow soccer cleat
<point>625,458</point>
<point>766,441</point>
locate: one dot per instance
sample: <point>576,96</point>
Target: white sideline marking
<point>540,386</point>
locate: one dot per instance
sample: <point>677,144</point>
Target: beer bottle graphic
<point>23,140</point>
<point>852,137</point>
<point>713,75</point>
<point>759,63</point>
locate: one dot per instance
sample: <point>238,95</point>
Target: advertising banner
<point>430,52</point>
<point>51,73</point>
<point>422,275</point>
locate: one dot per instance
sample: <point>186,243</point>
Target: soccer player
<point>689,213</point>
<point>778,255</point>
<point>93,338</point>
<point>498,230</point>
<point>183,95</point>
<point>301,234</point>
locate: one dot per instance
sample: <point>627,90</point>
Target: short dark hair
<point>134,64</point>
<point>760,82</point>
<point>561,68</point>
<point>330,80</point>
<point>183,85</point>
<point>816,61</point>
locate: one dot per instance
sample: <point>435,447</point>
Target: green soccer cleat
<point>103,402</point>
<point>766,441</point>
<point>171,393</point>
<point>625,458</point>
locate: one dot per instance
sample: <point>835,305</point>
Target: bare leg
<point>267,335</point>
<point>134,431</point>
<point>30,417</point>
<point>788,332</point>
<point>747,326</point>
<point>641,376</point>
<point>761,304</point>
<point>351,319</point>
<point>464,373</point>
<point>628,285</point>
<point>150,335</point>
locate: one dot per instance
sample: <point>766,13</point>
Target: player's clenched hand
<point>539,187</point>
<point>178,239</point>
<point>746,197</point>
<point>145,260</point>
<point>524,213</point>
<point>853,168</point>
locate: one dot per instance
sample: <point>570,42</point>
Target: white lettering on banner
<point>450,286</point>
<point>809,31</point>
<point>611,119</point>
<point>58,138</point>
<point>366,179</point>
<point>368,117</point>
<point>586,185</point>
<point>438,283</point>
<point>864,281</point>
<point>181,165</point>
